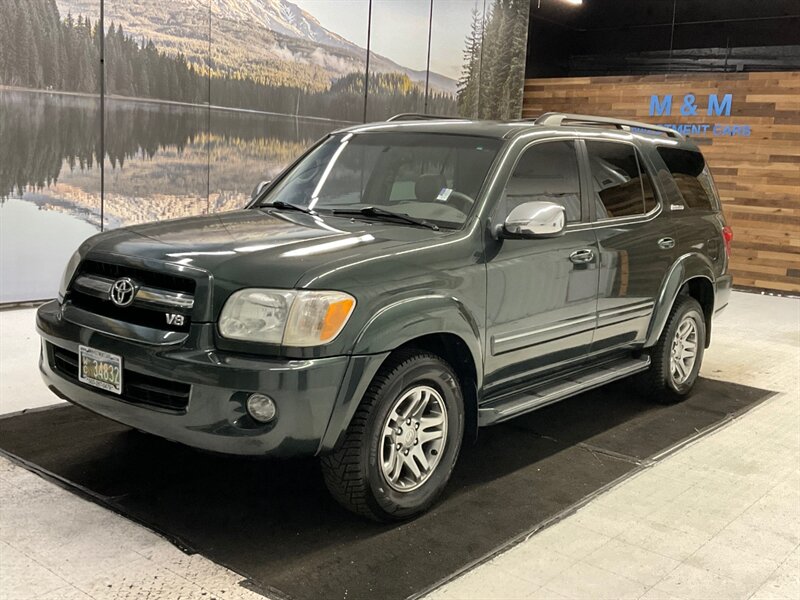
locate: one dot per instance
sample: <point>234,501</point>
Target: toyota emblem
<point>122,292</point>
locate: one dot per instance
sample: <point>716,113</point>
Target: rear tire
<point>677,356</point>
<point>411,416</point>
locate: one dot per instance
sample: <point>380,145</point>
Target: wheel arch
<point>437,324</point>
<point>692,275</point>
<point>454,351</point>
<point>701,289</point>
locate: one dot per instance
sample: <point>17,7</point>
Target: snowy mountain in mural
<point>274,41</point>
<point>281,17</point>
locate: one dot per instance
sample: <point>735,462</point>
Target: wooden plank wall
<point>758,176</point>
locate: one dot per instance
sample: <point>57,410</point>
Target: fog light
<point>261,407</point>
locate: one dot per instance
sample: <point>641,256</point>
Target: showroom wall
<point>725,73</point>
<point>754,153</point>
<point>115,112</point>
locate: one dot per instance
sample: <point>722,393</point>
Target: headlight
<point>291,318</point>
<point>256,315</point>
<point>69,271</point>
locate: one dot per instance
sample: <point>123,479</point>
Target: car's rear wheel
<point>401,446</point>
<point>677,356</point>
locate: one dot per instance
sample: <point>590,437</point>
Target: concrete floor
<point>720,518</point>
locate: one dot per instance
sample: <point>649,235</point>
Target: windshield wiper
<point>374,212</point>
<point>280,204</point>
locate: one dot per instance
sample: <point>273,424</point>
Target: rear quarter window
<point>621,182</point>
<point>691,175</point>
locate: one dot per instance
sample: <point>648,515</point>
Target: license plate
<point>100,369</point>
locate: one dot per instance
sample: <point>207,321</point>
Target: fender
<point>686,267</point>
<point>410,318</point>
<point>390,328</point>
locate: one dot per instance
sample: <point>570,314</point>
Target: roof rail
<point>558,119</point>
<point>419,117</point>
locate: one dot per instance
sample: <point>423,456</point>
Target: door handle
<point>666,243</point>
<point>582,256</point>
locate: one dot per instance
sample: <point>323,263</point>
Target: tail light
<point>727,236</point>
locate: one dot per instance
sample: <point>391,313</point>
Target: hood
<point>259,247</point>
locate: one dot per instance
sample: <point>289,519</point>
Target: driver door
<point>541,293</point>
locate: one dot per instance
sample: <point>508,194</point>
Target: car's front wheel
<point>402,444</point>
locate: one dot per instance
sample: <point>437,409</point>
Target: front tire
<point>401,446</point>
<point>677,356</point>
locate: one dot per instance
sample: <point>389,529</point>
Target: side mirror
<point>536,219</point>
<point>260,186</point>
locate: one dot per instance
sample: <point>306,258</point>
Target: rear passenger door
<point>636,241</point>
<point>541,293</point>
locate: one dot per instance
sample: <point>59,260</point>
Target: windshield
<point>427,176</point>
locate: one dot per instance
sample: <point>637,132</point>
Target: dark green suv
<point>399,286</point>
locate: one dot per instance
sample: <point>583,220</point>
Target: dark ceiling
<point>621,36</point>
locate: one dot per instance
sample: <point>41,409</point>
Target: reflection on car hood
<point>259,247</point>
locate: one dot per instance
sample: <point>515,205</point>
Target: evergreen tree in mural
<point>468,84</point>
<point>493,72</point>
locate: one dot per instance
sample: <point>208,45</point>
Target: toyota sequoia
<point>398,287</point>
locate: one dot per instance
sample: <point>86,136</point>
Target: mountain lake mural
<point>197,100</point>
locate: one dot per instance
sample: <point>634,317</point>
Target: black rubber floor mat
<point>273,521</point>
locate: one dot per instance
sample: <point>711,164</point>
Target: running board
<point>553,391</point>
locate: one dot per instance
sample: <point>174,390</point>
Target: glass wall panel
<point>156,114</point>
<point>282,76</point>
<point>398,61</point>
<point>502,58</point>
<point>49,141</point>
<point>456,29</point>
<point>479,45</point>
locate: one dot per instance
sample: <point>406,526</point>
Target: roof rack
<point>560,119</point>
<point>419,117</point>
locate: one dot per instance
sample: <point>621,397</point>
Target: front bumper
<point>309,394</point>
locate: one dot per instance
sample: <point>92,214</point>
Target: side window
<point>549,172</point>
<point>691,175</point>
<point>622,186</point>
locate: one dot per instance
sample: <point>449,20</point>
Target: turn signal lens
<point>338,313</point>
<point>317,318</point>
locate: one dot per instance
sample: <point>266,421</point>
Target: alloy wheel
<point>684,350</point>
<point>414,435</point>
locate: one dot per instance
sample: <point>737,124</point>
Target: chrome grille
<point>156,279</point>
<point>161,300</point>
<point>100,287</point>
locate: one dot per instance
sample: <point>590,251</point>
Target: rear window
<point>692,177</point>
<point>622,186</point>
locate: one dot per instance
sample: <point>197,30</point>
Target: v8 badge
<point>175,319</point>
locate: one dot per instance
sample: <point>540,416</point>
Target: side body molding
<point>391,327</point>
<point>686,267</point>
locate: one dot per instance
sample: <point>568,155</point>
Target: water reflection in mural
<point>156,167</point>
<point>49,187</point>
